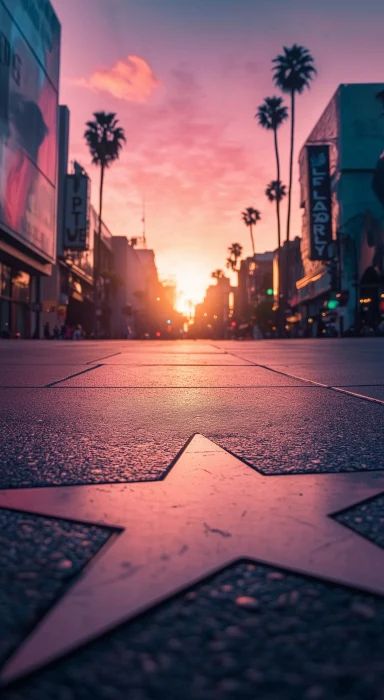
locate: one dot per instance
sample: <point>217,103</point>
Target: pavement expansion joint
<point>105,357</point>
<point>346,386</point>
<point>71,376</point>
<point>170,388</point>
<point>179,366</point>
<point>356,395</point>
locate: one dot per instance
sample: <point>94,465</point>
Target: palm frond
<point>251,216</point>
<point>275,190</point>
<point>217,274</point>
<point>272,113</point>
<point>231,264</point>
<point>294,69</point>
<point>104,138</point>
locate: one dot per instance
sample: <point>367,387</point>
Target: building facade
<point>137,283</point>
<point>292,250</point>
<point>342,231</point>
<point>142,305</point>
<point>69,294</point>
<point>255,278</point>
<point>29,79</point>
<point>213,316</point>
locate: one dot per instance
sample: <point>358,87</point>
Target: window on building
<point>5,281</point>
<point>21,283</point>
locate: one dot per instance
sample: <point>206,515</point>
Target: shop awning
<point>313,286</point>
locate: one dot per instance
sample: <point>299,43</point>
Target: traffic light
<point>269,292</point>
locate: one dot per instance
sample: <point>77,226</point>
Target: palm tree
<point>271,114</point>
<point>250,217</point>
<point>105,140</point>
<point>276,191</point>
<point>218,275</point>
<point>292,72</point>
<point>235,251</point>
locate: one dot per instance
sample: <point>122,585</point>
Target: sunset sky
<point>185,79</point>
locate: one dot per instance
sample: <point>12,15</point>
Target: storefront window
<point>5,281</point>
<point>5,312</point>
<point>21,286</point>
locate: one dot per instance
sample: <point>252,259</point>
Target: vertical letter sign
<point>320,203</point>
<point>76,213</point>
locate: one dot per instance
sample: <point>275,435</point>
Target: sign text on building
<point>320,202</point>
<point>76,230</point>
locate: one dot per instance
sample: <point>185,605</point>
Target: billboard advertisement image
<point>29,75</point>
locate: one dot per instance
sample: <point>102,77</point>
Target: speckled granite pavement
<point>88,412</point>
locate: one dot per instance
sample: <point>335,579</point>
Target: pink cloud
<point>182,158</point>
<point>131,80</point>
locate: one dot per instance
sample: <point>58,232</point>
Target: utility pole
<point>144,229</point>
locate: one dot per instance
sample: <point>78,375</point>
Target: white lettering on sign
<point>320,214</point>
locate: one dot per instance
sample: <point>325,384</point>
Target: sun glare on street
<point>191,284</point>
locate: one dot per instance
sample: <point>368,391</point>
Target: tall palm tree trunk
<point>290,192</point>
<point>97,264</point>
<point>277,199</point>
<point>252,240</point>
<point>279,300</point>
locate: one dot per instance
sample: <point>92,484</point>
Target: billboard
<point>320,201</point>
<point>77,212</point>
<point>29,75</point>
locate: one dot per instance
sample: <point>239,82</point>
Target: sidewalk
<point>113,412</point>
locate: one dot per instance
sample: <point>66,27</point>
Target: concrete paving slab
<point>182,376</point>
<point>52,352</point>
<point>335,375</point>
<point>36,375</point>
<point>77,436</point>
<point>332,350</point>
<point>146,358</point>
<point>175,347</point>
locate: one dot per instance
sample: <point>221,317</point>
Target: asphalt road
<point>105,412</point>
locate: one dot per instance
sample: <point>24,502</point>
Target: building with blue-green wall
<point>353,127</point>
